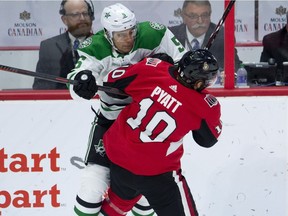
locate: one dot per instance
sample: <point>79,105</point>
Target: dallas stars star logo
<point>107,15</point>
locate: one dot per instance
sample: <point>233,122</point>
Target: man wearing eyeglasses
<point>57,55</point>
<point>197,27</point>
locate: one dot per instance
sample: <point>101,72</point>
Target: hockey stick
<point>220,23</point>
<point>57,79</point>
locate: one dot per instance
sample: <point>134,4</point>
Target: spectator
<point>196,16</point>
<point>275,46</point>
<point>57,55</point>
<point>122,42</point>
<point>145,143</point>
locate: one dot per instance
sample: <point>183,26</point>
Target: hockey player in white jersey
<point>122,42</point>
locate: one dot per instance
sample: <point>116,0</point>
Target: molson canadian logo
<point>23,163</point>
<point>178,18</point>
<point>281,11</point>
<point>276,22</point>
<point>25,15</point>
<point>25,28</point>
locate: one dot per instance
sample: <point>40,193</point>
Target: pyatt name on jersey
<point>166,99</point>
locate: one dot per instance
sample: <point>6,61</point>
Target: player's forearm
<point>207,135</point>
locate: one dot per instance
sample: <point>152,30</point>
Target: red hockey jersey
<point>147,137</point>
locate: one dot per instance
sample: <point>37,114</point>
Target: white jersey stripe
<point>185,194</point>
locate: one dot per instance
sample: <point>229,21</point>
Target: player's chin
<point>126,49</point>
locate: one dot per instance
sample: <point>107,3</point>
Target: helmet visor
<point>122,36</point>
<point>212,79</point>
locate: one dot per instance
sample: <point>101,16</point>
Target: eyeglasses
<point>78,15</point>
<point>194,17</point>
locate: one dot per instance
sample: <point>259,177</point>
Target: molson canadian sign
<point>27,22</point>
<point>272,16</point>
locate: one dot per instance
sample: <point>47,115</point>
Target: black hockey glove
<point>86,87</point>
<point>164,57</point>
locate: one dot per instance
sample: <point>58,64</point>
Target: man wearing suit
<point>57,55</point>
<point>275,45</point>
<point>197,25</point>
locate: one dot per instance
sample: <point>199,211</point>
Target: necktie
<point>74,51</point>
<point>76,44</point>
<point>195,44</point>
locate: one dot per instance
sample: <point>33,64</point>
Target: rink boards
<point>42,145</point>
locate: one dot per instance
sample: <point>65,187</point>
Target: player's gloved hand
<point>164,57</point>
<point>86,87</point>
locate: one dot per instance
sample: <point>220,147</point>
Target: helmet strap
<point>199,85</point>
<point>181,80</point>
<point>109,37</point>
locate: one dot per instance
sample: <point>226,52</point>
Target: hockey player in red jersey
<point>122,41</point>
<point>145,143</point>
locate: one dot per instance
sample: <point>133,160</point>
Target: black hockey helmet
<point>195,66</point>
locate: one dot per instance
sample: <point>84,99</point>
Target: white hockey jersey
<point>97,55</point>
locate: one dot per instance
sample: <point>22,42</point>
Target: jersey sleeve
<point>85,62</point>
<point>171,46</point>
<point>206,135</point>
<point>211,125</point>
<point>161,40</point>
<point>91,59</point>
<point>120,78</point>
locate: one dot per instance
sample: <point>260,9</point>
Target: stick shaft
<point>56,79</point>
<point>219,25</point>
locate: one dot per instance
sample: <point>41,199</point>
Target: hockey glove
<point>86,87</point>
<point>164,57</point>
